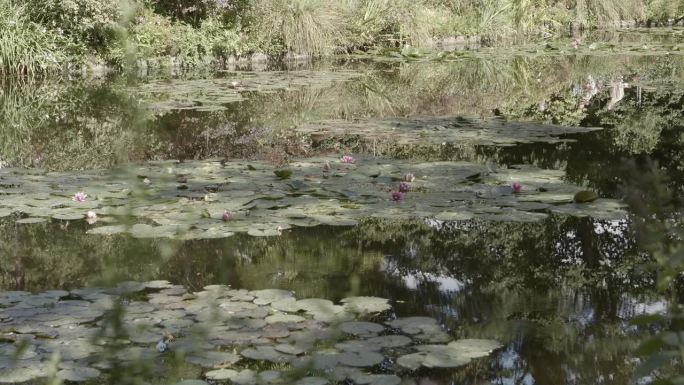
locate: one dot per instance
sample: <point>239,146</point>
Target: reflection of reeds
<point>80,125</point>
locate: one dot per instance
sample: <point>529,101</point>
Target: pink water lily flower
<point>347,159</point>
<point>79,197</point>
<point>227,216</point>
<point>396,196</point>
<point>409,177</point>
<point>404,187</point>
<point>517,187</point>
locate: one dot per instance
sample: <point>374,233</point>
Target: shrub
<point>90,22</point>
<point>25,47</point>
<point>662,10</point>
<point>194,12</point>
<point>155,36</point>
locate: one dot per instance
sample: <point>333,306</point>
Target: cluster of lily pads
<point>216,199</point>
<point>441,130</point>
<point>225,333</point>
<point>212,94</point>
<point>547,49</point>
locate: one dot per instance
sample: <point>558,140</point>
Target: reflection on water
<point>558,293</point>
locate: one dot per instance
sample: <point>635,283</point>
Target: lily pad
<point>78,374</point>
<point>365,305</point>
<point>212,359</point>
<point>585,196</point>
<point>361,329</point>
<point>455,354</point>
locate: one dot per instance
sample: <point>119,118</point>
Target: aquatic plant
<point>227,216</point>
<point>79,197</point>
<point>516,187</point>
<point>409,177</point>
<point>404,187</point>
<point>211,323</point>
<point>396,196</point>
<point>348,159</point>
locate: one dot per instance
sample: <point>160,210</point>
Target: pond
<point>480,190</point>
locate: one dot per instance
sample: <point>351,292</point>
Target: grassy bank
<point>38,36</point>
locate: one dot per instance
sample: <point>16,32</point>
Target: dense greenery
<point>38,36</point>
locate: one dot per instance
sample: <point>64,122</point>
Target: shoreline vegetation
<point>38,37</point>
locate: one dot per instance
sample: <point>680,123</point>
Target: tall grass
<point>606,13</point>
<point>26,47</point>
<point>314,27</point>
<point>382,22</point>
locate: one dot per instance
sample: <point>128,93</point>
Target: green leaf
<point>646,319</point>
<point>654,362</point>
<point>649,347</point>
<point>283,174</point>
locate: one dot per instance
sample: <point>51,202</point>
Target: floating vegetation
<point>224,332</point>
<point>440,130</point>
<point>189,200</point>
<point>209,95</point>
<point>559,47</point>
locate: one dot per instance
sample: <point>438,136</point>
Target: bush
<point>155,36</point>
<point>194,12</point>
<point>92,23</point>
<point>662,10</point>
<point>25,47</point>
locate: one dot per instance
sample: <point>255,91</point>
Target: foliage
<point>26,47</point>
<point>91,23</point>
<point>154,36</point>
<point>665,10</point>
<point>312,27</point>
<point>660,233</point>
<point>194,11</point>
<point>392,22</point>
<point>209,31</point>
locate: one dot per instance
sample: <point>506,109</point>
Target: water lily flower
<point>147,181</point>
<point>79,197</point>
<point>347,159</point>
<point>91,217</point>
<point>396,196</point>
<point>517,187</point>
<point>403,187</point>
<point>227,216</point>
<point>409,177</point>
